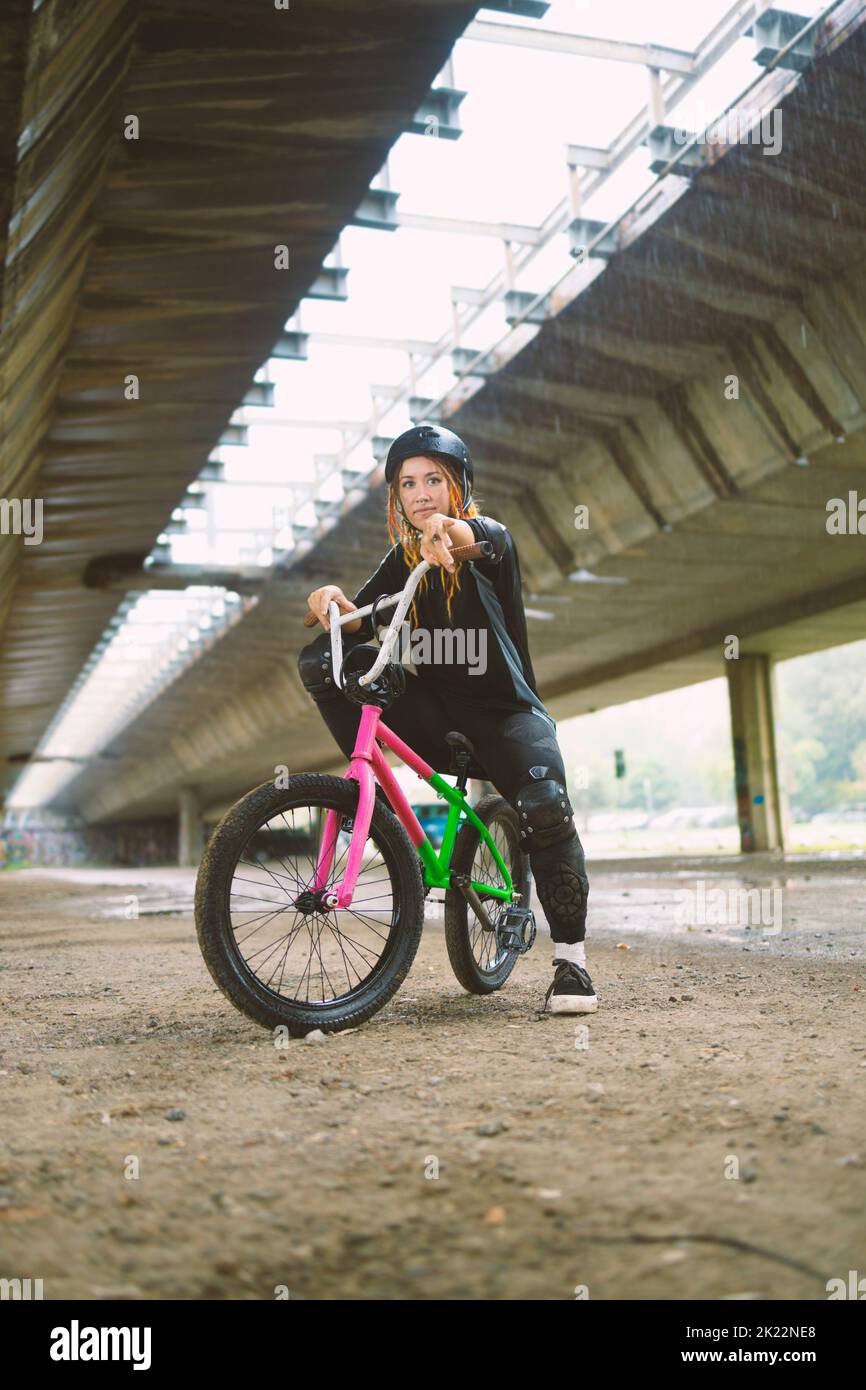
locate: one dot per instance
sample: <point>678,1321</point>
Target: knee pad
<point>562,887</point>
<point>545,814</point>
<point>556,855</point>
<point>314,668</point>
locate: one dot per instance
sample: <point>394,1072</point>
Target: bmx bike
<point>310,897</point>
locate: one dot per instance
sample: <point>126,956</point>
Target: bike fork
<point>360,769</point>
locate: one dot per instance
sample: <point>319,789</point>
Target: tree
<point>665,787</point>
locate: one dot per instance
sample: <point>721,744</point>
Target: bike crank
<point>513,926</point>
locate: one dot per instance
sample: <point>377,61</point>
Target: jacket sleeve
<point>484,528</point>
<point>510,586</point>
<point>503,571</point>
<point>388,578</point>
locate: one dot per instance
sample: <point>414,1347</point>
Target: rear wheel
<point>274,948</point>
<point>479,963</point>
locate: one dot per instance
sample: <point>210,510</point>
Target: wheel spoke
<point>310,959</point>
<point>482,943</point>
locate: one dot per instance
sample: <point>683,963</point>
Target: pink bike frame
<point>367,758</point>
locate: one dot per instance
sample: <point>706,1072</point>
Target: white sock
<point>573,951</point>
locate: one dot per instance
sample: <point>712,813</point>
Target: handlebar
<point>403,597</point>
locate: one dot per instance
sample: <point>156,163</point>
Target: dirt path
<point>306,1167</point>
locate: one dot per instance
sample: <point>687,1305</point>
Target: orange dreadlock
<point>400,529</point>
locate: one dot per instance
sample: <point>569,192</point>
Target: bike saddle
<point>457,740</point>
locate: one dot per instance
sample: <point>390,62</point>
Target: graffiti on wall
<point>138,843</point>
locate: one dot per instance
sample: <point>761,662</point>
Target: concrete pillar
<point>761,816</point>
<point>190,836</point>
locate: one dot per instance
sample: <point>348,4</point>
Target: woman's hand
<point>436,543</point>
<point>318,602</point>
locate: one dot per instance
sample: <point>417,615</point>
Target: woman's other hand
<point>318,602</point>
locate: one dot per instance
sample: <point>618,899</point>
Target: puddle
<point>150,907</point>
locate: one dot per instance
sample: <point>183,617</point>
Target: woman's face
<point>422,489</point>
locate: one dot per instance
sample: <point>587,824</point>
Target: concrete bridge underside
<point>702,504</point>
<point>697,501</point>
<point>257,127</point>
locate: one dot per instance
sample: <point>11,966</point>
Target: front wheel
<point>477,960</point>
<point>276,951</point>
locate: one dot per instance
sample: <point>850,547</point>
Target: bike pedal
<point>516,930</point>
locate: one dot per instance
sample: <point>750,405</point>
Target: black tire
<point>213,912</point>
<point>478,968</point>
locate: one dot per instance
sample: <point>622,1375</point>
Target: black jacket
<point>490,597</point>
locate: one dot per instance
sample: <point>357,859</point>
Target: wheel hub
<point>315,900</point>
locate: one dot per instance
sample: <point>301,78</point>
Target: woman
<point>494,703</point>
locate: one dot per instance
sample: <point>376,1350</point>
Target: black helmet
<point>436,441</point>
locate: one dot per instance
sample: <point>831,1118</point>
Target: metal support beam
<point>291,346</point>
<point>656,97</point>
<point>420,409</point>
<point>235,435</point>
<point>330,283</point>
<point>382,392</point>
<point>124,572</point>
<point>532,9</point>
<point>285,422</point>
<point>774,29</point>
<point>664,146</point>
<point>464,294</point>
<point>438,116</point>
<point>582,45</point>
<point>369,340</point>
<point>459,226</point>
<point>517,301</point>
<point>461,357</point>
<point>379,446</point>
<point>213,471</point>
<point>377,210</point>
<point>587,157</point>
<point>583,230</point>
<point>259,393</point>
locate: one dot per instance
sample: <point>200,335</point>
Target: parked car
<point>432,818</point>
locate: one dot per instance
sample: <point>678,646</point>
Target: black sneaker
<point>572,990</point>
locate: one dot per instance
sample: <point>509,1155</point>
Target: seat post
<point>461,756</point>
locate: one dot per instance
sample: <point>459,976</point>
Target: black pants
<point>508,741</point>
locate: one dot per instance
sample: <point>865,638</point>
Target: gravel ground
<point>453,1147</point>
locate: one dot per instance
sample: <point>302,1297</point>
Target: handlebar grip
<point>481,550</point>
